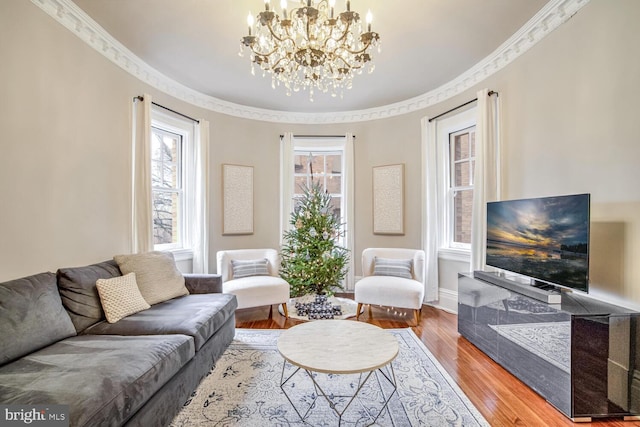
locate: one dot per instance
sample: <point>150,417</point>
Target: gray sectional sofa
<point>57,348</point>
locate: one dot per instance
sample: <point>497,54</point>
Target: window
<point>324,168</point>
<point>167,188</point>
<point>460,194</point>
<point>171,180</point>
<point>328,161</point>
<point>456,165</point>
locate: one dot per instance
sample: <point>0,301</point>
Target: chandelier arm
<point>342,37</point>
<point>355,52</point>
<point>263,54</point>
<point>284,58</point>
<point>275,35</point>
<point>348,65</point>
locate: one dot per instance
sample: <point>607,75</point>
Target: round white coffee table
<point>338,347</point>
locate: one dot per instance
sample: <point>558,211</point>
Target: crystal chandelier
<point>310,46</point>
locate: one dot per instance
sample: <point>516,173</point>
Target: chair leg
<point>284,310</point>
<point>270,311</point>
<point>358,310</point>
<point>416,316</point>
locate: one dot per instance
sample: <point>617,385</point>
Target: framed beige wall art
<point>388,199</point>
<point>237,199</point>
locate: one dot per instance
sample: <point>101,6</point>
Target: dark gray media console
<point>581,355</point>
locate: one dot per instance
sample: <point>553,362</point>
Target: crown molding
<point>550,17</point>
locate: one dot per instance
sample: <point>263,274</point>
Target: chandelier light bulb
<point>250,22</point>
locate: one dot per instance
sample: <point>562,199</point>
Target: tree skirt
<point>348,306</point>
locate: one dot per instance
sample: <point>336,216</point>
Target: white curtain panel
<point>486,186</point>
<point>200,220</point>
<point>430,221</point>
<point>349,169</point>
<point>142,222</point>
<point>286,182</point>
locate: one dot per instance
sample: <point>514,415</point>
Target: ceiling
<point>425,44</point>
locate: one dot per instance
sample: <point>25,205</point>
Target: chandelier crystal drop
<point>310,46</point>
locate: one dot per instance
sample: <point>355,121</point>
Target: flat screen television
<point>546,239</point>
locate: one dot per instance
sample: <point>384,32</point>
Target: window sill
<point>451,254</point>
<point>182,254</point>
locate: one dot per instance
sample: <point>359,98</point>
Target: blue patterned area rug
<point>548,340</point>
<point>243,389</point>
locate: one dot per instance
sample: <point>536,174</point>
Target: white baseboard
<point>447,301</point>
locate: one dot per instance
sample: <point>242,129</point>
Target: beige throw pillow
<point>120,297</point>
<point>156,273</point>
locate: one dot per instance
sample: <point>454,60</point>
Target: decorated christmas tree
<point>312,260</point>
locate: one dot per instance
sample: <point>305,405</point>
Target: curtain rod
<point>141,98</point>
<point>460,106</point>
<point>317,136</point>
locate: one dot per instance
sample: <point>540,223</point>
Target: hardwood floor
<point>501,398</point>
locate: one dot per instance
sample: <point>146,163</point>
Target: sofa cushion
<point>156,273</point>
<point>31,316</point>
<point>77,286</point>
<point>120,297</point>
<point>103,379</point>
<point>199,316</point>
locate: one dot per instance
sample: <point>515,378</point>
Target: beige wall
<point>570,125</point>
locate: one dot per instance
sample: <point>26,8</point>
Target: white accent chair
<point>254,291</point>
<point>390,290</point>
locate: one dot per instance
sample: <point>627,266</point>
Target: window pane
<point>462,174</point>
<point>334,184</point>
<point>156,146</point>
<point>335,207</point>
<point>165,157</point>
<point>170,148</point>
<point>473,144</point>
<point>165,175</point>
<point>166,208</point>
<point>164,148</point>
<point>156,174</point>
<point>461,146</point>
<point>317,164</point>
<point>472,172</point>
<point>319,178</point>
<point>334,164</point>
<point>301,163</point>
<point>299,183</point>
<point>462,206</point>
